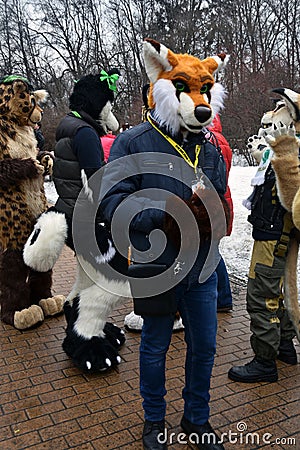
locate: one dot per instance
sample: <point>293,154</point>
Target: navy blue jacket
<point>143,180</point>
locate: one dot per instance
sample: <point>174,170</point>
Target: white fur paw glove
<point>282,138</point>
<point>256,146</point>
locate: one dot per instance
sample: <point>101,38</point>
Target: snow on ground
<point>236,248</point>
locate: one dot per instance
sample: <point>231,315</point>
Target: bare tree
<point>54,42</point>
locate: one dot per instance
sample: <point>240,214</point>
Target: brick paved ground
<point>46,403</point>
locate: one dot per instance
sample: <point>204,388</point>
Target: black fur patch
<point>35,236</point>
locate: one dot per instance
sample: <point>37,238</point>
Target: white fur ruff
<point>45,243</point>
<point>166,105</point>
<point>218,95</point>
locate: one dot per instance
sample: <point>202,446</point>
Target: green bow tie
<point>111,80</point>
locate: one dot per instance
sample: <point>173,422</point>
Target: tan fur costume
<point>285,144</point>
<point>25,295</point>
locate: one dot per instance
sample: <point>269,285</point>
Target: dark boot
<point>287,352</point>
<point>203,437</point>
<point>152,440</point>
<point>255,371</point>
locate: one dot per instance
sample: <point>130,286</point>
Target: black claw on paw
<point>114,335</point>
<point>91,355</point>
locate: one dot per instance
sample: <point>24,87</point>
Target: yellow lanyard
<point>179,149</point>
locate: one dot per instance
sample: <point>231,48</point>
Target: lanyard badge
<point>199,183</point>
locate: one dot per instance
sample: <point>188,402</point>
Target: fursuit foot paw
<point>114,335</point>
<point>52,305</point>
<point>28,317</point>
<point>92,355</point>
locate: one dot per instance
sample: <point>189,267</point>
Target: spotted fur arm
<point>13,171</point>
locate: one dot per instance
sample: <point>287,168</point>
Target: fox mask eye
<point>180,86</point>
<point>205,88</point>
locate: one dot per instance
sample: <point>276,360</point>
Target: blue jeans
<point>224,290</point>
<point>197,305</point>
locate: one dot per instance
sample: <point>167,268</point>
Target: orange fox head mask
<point>183,90</point>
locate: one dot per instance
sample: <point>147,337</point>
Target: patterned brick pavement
<point>46,403</point>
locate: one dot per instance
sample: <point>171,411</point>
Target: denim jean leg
<point>155,340</point>
<point>198,310</point>
<point>224,289</point>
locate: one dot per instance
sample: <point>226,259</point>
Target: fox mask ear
<point>157,58</point>
<point>214,64</point>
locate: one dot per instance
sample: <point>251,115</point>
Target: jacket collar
<point>88,119</point>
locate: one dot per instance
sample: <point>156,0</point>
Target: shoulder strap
<point>214,140</point>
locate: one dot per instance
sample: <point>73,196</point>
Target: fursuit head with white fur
<point>183,92</point>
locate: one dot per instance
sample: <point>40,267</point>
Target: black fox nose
<point>202,113</point>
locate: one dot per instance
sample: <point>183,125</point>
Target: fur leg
<point>82,281</point>
<point>92,353</point>
<point>90,341</point>
<point>16,309</point>
<point>40,293</point>
<point>40,285</point>
<point>290,286</point>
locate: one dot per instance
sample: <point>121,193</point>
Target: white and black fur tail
<point>290,286</point>
<point>46,242</point>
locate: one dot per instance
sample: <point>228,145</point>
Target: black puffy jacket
<point>67,173</point>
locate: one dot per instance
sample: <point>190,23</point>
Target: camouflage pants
<point>265,305</point>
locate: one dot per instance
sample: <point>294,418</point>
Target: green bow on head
<point>111,80</point>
